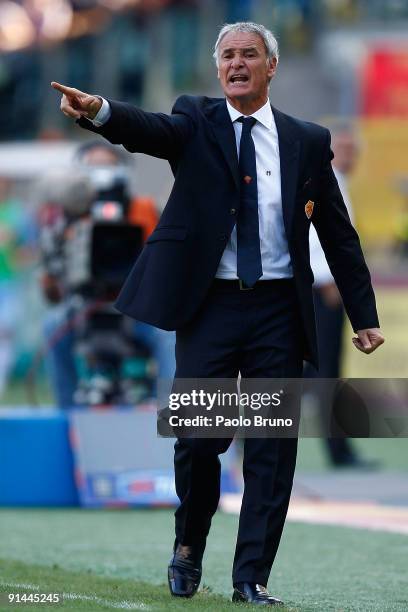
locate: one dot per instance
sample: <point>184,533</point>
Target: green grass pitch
<point>104,560</point>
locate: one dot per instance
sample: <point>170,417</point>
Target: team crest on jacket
<point>309,208</point>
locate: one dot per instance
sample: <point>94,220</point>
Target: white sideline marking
<point>20,585</point>
<point>121,605</point>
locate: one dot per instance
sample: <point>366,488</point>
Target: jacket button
<point>223,237</point>
<point>233,211</point>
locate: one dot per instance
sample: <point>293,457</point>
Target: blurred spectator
<point>20,94</point>
<point>133,57</point>
<point>184,20</point>
<point>142,209</point>
<point>58,329</point>
<point>17,239</point>
<point>142,212</point>
<point>56,191</point>
<point>328,304</point>
<point>88,19</point>
<point>80,53</point>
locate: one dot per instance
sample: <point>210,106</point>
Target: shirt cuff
<point>103,115</point>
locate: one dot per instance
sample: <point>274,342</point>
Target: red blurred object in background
<point>385,83</point>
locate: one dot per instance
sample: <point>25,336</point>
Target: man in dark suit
<point>228,268</point>
<point>327,300</point>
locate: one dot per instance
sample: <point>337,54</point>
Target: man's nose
<point>236,62</point>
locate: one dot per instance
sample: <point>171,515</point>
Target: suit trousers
<point>258,333</point>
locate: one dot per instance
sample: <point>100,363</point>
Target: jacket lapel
<point>289,148</point>
<point>223,129</point>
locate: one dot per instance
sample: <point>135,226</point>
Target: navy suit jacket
<point>177,265</point>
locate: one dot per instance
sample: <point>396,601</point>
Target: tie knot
<point>247,122</point>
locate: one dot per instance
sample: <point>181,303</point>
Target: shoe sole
<point>238,598</point>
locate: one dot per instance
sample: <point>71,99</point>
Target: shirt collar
<point>264,114</point>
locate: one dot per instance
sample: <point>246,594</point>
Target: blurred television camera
<point>100,243</point>
<point>88,246</point>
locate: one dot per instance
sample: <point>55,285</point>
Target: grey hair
<point>248,27</point>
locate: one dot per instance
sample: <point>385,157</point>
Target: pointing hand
<point>76,103</point>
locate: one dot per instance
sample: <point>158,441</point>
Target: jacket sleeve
<point>342,248</point>
<point>155,134</point>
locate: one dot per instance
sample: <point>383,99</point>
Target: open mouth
<point>239,78</point>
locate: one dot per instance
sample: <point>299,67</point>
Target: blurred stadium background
<point>339,58</point>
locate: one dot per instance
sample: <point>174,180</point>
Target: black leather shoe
<point>249,592</point>
<point>184,571</point>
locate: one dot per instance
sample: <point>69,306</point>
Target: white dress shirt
<point>274,247</point>
<point>318,261</point>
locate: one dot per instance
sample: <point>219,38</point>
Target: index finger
<point>64,89</point>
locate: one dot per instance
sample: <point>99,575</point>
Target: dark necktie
<point>249,263</point>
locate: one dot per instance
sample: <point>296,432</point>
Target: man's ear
<point>272,66</point>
